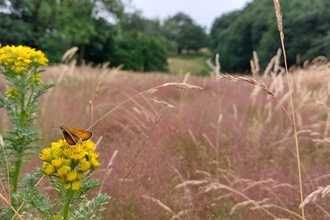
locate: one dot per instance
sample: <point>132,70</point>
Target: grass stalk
<point>280,29</point>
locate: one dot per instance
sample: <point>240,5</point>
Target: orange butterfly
<point>74,135</point>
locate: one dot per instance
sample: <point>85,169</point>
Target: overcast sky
<point>203,12</point>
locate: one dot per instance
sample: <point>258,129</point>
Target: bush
<point>139,52</point>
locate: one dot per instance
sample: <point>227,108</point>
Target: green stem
<point>22,111</point>
<point>18,165</point>
<point>66,209</point>
<point>29,101</point>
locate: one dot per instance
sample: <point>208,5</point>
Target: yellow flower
<point>21,56</point>
<point>79,175</point>
<point>18,69</point>
<point>77,152</point>
<point>76,185</point>
<point>93,159</point>
<point>12,93</point>
<point>85,166</point>
<point>57,162</point>
<point>57,217</point>
<point>57,152</point>
<point>62,171</point>
<point>49,170</point>
<point>46,154</point>
<point>59,144</point>
<point>89,145</point>
<point>93,155</point>
<point>36,79</point>
<point>69,162</point>
<point>42,60</point>
<point>72,176</point>
<point>94,162</point>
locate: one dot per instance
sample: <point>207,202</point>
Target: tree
<point>78,31</point>
<point>139,52</point>
<point>237,34</point>
<point>182,21</point>
<point>100,49</point>
<point>219,30</point>
<point>136,23</point>
<point>15,31</point>
<point>238,46</point>
<point>192,38</point>
<point>187,34</point>
<point>70,22</point>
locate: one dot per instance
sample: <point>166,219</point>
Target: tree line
<point>122,38</point>
<point>143,44</point>
<point>237,34</point>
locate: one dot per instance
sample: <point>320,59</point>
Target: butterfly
<point>74,135</point>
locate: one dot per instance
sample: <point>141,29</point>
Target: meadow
<point>190,147</point>
<point>224,152</point>
<point>190,62</point>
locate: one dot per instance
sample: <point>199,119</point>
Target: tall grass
<point>221,152</point>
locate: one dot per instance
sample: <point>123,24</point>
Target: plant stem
<point>66,209</point>
<point>18,164</point>
<point>280,28</point>
<point>22,111</point>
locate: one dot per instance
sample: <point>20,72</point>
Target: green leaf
<point>41,204</point>
<point>88,209</point>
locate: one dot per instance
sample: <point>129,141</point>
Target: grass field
<point>191,62</point>
<point>224,152</point>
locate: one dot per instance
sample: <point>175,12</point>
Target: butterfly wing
<point>69,137</point>
<point>82,134</point>
<point>75,135</point>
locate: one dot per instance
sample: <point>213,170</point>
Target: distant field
<point>190,62</point>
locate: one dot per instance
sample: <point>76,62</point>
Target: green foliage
<point>15,31</point>
<point>182,21</point>
<point>237,47</point>
<point>237,34</point>
<point>55,26</point>
<point>139,52</point>
<point>89,208</point>
<point>101,46</point>
<point>219,29</point>
<point>53,47</point>
<point>187,35</point>
<point>84,208</point>
<point>192,38</point>
<point>136,23</point>
<point>37,200</point>
<point>77,31</point>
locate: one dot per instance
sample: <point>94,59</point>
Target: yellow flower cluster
<point>19,58</point>
<point>68,163</point>
<point>57,217</point>
<point>12,93</point>
<point>36,79</point>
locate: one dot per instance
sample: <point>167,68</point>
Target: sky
<point>203,12</point>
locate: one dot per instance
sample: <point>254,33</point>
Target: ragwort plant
<point>24,88</point>
<point>68,167</point>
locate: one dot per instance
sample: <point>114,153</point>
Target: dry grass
<point>174,151</point>
<point>220,153</point>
